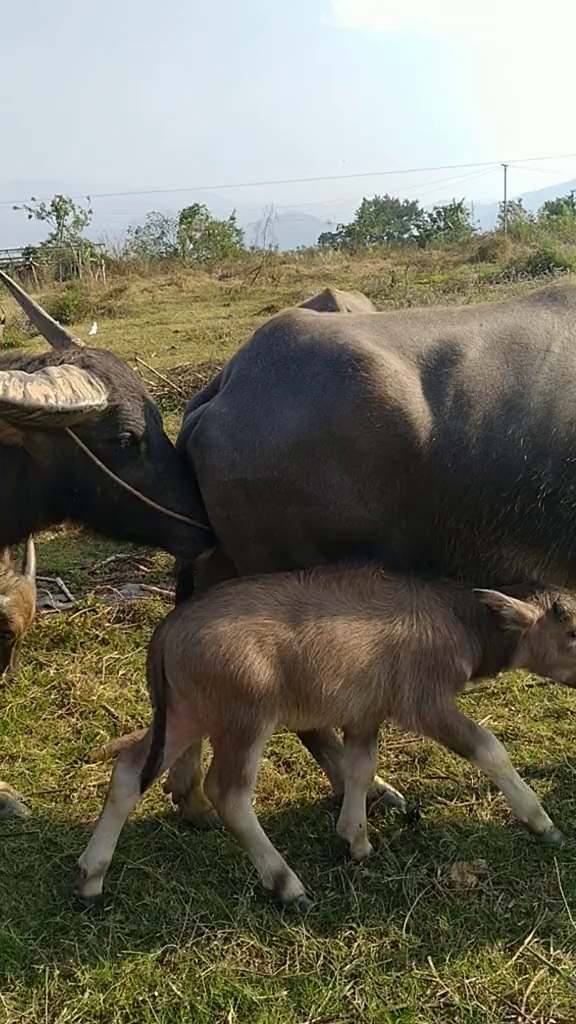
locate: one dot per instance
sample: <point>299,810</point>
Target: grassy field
<point>186,934</point>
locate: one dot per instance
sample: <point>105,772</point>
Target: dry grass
<point>186,934</point>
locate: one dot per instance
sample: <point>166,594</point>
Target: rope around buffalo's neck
<point>131,490</point>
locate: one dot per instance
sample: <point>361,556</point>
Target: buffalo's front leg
<point>327,750</point>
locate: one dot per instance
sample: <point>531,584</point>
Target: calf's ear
<point>513,614</point>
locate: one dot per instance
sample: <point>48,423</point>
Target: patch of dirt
<point>125,576</point>
<point>181,383</point>
<point>113,576</point>
<point>464,874</point>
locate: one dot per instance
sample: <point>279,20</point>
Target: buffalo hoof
<point>11,806</point>
<point>204,821</point>
<point>553,837</point>
<point>382,796</point>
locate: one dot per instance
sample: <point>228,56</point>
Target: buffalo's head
<point>94,394</point>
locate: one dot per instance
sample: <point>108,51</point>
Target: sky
<point>136,94</point>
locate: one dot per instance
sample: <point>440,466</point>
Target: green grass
<point>186,934</point>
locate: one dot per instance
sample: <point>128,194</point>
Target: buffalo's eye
<point>127,438</point>
<point>571,634</point>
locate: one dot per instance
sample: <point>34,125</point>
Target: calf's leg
<point>359,761</point>
<point>229,784</point>
<point>123,795</point>
<point>328,751</point>
<point>479,746</point>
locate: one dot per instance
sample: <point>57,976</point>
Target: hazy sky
<point>129,94</point>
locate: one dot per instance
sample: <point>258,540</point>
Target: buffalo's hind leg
<point>185,782</point>
<point>327,749</point>
<point>229,784</point>
<point>122,797</point>
<point>123,794</point>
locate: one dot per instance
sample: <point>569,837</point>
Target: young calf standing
<point>336,647</point>
<point>17,611</point>
<point>17,605</point>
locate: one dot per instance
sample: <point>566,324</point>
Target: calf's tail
<point>158,690</point>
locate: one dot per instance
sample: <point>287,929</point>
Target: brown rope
<point>131,490</point>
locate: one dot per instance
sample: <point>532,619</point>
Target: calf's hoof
<point>12,807</point>
<point>287,889</point>
<point>360,850</point>
<point>552,837</point>
<point>92,903</point>
<point>302,904</point>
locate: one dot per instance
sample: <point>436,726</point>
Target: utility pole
<point>505,204</point>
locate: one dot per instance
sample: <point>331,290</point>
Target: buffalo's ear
<point>514,614</point>
<point>54,397</point>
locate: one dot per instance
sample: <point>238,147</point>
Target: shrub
<point>546,260</point>
<point>13,337</point>
<point>69,306</point>
<point>491,248</point>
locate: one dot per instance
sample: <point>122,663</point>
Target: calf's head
<point>17,606</point>
<point>545,624</point>
<point>96,395</point>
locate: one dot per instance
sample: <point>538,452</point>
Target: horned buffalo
<point>81,440</point>
<point>437,440</point>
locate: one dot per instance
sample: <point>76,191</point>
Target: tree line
<point>195,237</point>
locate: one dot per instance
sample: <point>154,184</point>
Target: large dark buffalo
<point>54,403</point>
<point>440,440</point>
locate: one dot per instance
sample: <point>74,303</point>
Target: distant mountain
<point>288,230</point>
<point>486,214</point>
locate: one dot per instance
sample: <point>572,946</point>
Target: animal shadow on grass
<point>170,886</point>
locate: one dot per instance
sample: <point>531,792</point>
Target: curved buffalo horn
<point>56,396</point>
<point>43,322</point>
<point>29,561</point>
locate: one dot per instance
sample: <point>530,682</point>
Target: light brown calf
<point>17,612</point>
<point>328,648</point>
<point>17,605</point>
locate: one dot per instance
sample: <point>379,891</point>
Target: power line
<point>301,181</point>
<point>453,179</point>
